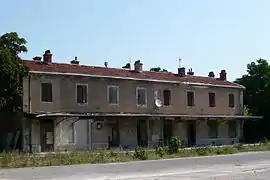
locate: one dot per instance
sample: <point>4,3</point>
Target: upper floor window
<point>231,100</point>
<point>82,93</point>
<point>212,99</point>
<point>46,92</point>
<point>141,94</point>
<point>190,98</point>
<point>166,97</point>
<point>113,94</point>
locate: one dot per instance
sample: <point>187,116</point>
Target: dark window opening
<point>190,98</point>
<point>231,100</point>
<point>167,97</point>
<point>82,94</point>
<point>212,99</point>
<point>46,92</point>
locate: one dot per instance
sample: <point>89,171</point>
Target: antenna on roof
<point>129,60</point>
<point>179,61</point>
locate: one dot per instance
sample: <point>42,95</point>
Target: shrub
<point>203,151</point>
<point>161,151</point>
<point>140,154</point>
<point>174,145</point>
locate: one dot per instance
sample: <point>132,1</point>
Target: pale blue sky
<point>207,34</point>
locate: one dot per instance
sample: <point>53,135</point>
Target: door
<point>142,137</point>
<point>167,130</point>
<point>191,133</point>
<point>47,135</point>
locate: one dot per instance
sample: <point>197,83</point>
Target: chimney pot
<point>181,71</point>
<point>211,74</point>
<point>47,57</point>
<point>190,72</point>
<point>37,58</point>
<point>75,61</point>
<point>138,66</point>
<point>223,75</point>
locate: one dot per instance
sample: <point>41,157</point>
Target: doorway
<point>46,135</point>
<point>114,137</point>
<point>142,137</point>
<point>167,131</point>
<point>191,130</point>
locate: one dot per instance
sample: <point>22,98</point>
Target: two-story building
<point>71,106</point>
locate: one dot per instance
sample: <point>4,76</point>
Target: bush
<point>161,152</point>
<point>174,145</point>
<point>140,153</point>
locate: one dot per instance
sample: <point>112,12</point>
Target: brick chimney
<point>138,66</point>
<point>181,71</point>
<point>75,61</point>
<point>47,57</point>
<point>223,75</point>
<point>211,74</point>
<point>37,58</point>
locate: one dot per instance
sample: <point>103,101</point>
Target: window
<point>212,99</point>
<point>82,94</point>
<point>46,92</point>
<point>232,129</point>
<point>212,129</point>
<point>166,97</point>
<point>113,94</point>
<point>231,100</point>
<point>190,98</point>
<point>141,96</point>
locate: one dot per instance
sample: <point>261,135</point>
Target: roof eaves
<point>138,79</point>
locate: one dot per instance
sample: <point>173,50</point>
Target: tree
<point>12,71</point>
<point>257,98</point>
<point>158,69</point>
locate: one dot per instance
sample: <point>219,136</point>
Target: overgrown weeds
<point>17,160</point>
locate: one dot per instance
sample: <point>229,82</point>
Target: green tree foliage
<point>12,71</point>
<point>158,69</point>
<point>257,98</point>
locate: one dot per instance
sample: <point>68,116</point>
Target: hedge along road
<point>243,164</point>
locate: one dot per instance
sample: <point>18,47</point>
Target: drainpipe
<point>29,110</point>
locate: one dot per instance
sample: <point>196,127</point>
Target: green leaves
<point>12,71</point>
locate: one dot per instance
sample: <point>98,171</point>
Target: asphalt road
<point>238,166</point>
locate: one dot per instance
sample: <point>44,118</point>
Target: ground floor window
<point>212,129</point>
<point>232,130</point>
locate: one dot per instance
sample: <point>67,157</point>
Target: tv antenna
<point>179,61</point>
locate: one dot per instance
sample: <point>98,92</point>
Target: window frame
<point>76,95</point>
<point>137,99</point>
<point>108,94</point>
<point>187,98</point>
<point>45,82</point>
<point>209,104</point>
<point>231,93</point>
<point>170,98</point>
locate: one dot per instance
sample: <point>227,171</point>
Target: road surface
<point>245,166</point>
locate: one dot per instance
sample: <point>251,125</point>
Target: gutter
<point>137,79</point>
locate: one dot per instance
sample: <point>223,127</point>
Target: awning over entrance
<point>178,116</point>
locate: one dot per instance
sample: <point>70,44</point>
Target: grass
<point>19,160</point>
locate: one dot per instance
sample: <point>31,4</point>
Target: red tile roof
<point>124,73</point>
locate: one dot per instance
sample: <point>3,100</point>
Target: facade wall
<point>64,97</point>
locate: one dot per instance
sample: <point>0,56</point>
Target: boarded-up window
<point>212,99</point>
<point>82,94</point>
<point>46,92</point>
<point>232,130</point>
<point>190,98</point>
<point>212,129</point>
<point>231,100</point>
<point>166,97</point>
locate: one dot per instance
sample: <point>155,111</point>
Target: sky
<point>208,35</point>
